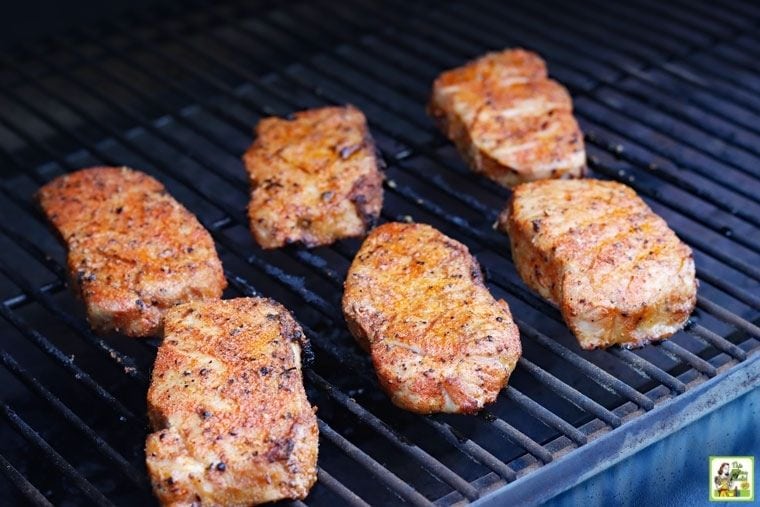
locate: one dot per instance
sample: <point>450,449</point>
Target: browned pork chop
<point>227,404</point>
<point>415,299</point>
<point>617,272</point>
<point>508,120</point>
<point>315,178</point>
<point>133,251</point>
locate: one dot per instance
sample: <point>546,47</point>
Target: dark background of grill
<point>667,95</point>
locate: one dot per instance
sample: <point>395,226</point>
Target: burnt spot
<point>281,450</point>
<point>203,413</point>
<point>536,225</point>
<point>272,316</point>
<point>264,371</point>
<point>221,466</point>
<point>326,196</point>
<point>270,183</point>
<point>119,210</point>
<point>140,304</point>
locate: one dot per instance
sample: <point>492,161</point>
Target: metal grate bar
<point>66,362</point>
<point>728,316</point>
<point>649,369</point>
<point>544,415</point>
<point>51,456</point>
<point>101,445</point>
<point>748,298</point>
<point>517,436</point>
<point>339,489</point>
<point>21,483</point>
<point>695,361</point>
<point>158,164</point>
<point>396,485</point>
<point>572,395</point>
<point>450,433</point>
<point>614,24</point>
<point>125,362</point>
<point>471,449</point>
<point>145,122</point>
<point>718,342</point>
<point>600,376</point>
<point>19,300</point>
<point>378,426</point>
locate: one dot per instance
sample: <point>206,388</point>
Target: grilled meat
<point>133,251</point>
<point>415,299</point>
<point>508,120</point>
<point>227,404</point>
<point>314,178</point>
<point>617,272</point>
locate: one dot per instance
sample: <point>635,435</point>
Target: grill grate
<point>666,94</point>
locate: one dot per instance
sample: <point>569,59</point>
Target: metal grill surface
<point>666,93</point>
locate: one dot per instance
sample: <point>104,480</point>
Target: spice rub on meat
<point>315,178</point>
<point>232,425</point>
<point>415,299</point>
<point>133,251</point>
<point>508,120</point>
<point>615,269</point>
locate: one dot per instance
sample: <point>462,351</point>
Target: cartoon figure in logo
<point>723,480</point>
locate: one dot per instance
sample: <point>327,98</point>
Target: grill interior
<point>666,93</point>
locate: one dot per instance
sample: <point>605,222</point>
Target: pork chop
<point>615,269</point>
<point>133,251</point>
<point>315,178</point>
<point>231,422</point>
<point>508,120</point>
<point>415,299</point>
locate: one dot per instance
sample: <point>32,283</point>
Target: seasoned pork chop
<point>314,178</point>
<point>415,299</point>
<point>133,251</point>
<point>508,120</point>
<point>617,272</point>
<point>227,404</point>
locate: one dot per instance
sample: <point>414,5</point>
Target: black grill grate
<point>667,96</point>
